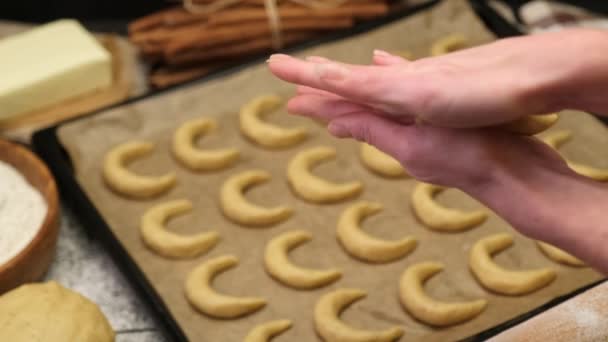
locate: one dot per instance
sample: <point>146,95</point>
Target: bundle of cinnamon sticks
<point>182,45</point>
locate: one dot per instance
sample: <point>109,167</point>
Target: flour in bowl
<point>22,210</point>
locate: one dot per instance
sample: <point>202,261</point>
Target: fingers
<point>363,83</point>
<point>384,58</point>
<point>304,90</point>
<point>388,136</point>
<point>325,108</point>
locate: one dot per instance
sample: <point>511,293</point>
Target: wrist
<point>577,77</point>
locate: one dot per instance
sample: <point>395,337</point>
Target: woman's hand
<point>481,86</point>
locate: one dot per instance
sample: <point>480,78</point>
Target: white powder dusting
<point>22,210</point>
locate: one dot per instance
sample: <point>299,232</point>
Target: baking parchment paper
<point>155,119</point>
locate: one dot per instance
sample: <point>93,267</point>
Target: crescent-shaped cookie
<point>196,159</point>
<point>264,133</point>
<point>447,44</point>
<point>127,183</point>
<point>559,255</point>
<point>531,124</point>
<point>500,280</point>
<point>430,310</point>
<point>278,265</point>
<point>438,217</point>
<point>380,162</point>
<point>363,246</point>
<point>238,209</point>
<point>313,188</point>
<point>205,299</point>
<point>266,331</point>
<point>331,328</point>
<point>557,138</point>
<point>169,244</point>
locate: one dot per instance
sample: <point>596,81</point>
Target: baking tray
<point>48,145</point>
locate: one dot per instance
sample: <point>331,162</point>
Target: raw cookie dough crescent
<point>169,244</point>
<point>277,263</point>
<point>556,138</point>
<point>313,188</point>
<point>263,133</point>
<point>205,299</point>
<point>438,217</point>
<point>380,162</point>
<point>188,154</point>
<point>500,280</point>
<point>559,255</point>
<point>531,124</point>
<point>427,309</point>
<point>332,329</point>
<point>127,183</point>
<point>237,208</point>
<point>266,331</point>
<point>447,44</point>
<point>363,246</point>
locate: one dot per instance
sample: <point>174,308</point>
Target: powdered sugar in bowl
<point>28,216</point>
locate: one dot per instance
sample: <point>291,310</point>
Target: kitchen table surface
<point>83,265</point>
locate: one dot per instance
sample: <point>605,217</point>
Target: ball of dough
<point>49,312</point>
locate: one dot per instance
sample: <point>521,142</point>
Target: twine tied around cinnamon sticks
<point>272,12</point>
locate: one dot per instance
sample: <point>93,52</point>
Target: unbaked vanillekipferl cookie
<point>128,183</point>
<point>212,303</point>
<point>263,133</point>
<point>278,265</point>
<point>187,153</point>
<point>313,188</point>
<point>501,280</point>
<point>168,244</point>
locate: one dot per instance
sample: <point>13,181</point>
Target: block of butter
<point>50,64</point>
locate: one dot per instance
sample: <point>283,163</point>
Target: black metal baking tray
<point>50,149</point>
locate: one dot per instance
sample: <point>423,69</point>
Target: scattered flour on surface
<point>22,210</point>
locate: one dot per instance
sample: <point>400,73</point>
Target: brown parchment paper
<point>155,119</point>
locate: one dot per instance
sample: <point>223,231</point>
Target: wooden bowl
<point>32,262</point>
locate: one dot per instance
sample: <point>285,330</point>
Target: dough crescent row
<point>313,188</point>
<point>557,138</point>
<point>169,244</point>
<point>128,183</point>
<point>501,280</point>
<point>238,209</point>
<point>196,159</point>
<point>263,133</point>
<point>278,265</point>
<point>205,299</point>
<point>363,246</point>
<point>438,217</point>
<point>331,328</point>
<point>380,162</point>
<point>427,309</point>
<point>266,331</point>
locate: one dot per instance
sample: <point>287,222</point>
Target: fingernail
<point>317,59</point>
<point>381,53</point>
<point>276,57</point>
<point>331,71</point>
<point>338,130</point>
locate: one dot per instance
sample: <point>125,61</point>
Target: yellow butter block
<point>50,64</point>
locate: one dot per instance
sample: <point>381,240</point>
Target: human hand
<point>481,86</point>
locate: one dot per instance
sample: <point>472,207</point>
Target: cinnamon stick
<point>167,76</point>
<point>222,35</point>
<point>155,20</point>
<point>233,50</point>
<point>351,10</point>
